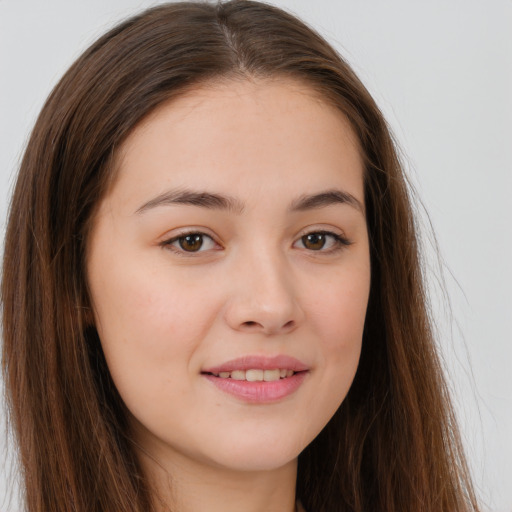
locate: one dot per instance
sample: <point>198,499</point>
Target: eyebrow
<point>188,197</point>
<point>326,198</point>
<point>214,201</point>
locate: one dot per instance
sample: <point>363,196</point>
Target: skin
<point>255,287</point>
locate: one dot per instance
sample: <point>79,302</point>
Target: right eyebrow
<point>188,197</point>
<point>327,198</point>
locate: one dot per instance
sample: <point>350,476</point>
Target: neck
<point>187,486</point>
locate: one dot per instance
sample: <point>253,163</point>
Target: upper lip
<point>259,362</point>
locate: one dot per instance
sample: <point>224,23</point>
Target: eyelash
<point>339,242</point>
<point>182,252</point>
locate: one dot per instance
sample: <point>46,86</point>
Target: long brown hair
<point>393,445</point>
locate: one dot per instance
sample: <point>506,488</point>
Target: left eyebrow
<point>327,198</point>
<point>192,198</point>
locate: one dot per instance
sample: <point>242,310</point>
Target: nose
<point>264,298</point>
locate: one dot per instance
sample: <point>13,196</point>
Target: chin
<point>260,455</point>
<point>250,462</point>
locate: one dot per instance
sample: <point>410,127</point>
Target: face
<point>229,273</point>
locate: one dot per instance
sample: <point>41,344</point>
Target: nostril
<point>267,325</point>
<point>251,324</point>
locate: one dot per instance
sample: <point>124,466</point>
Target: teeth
<point>271,375</point>
<point>257,375</point>
<point>254,375</point>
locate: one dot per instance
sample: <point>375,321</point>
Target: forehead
<point>235,132</point>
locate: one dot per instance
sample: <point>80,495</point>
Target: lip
<point>259,362</point>
<point>260,392</point>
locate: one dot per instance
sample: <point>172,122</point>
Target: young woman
<point>212,295</point>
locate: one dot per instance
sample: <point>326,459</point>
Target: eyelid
<point>341,241</point>
<point>168,241</point>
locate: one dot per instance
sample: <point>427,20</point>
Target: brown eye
<point>314,241</point>
<point>191,243</point>
<point>322,241</point>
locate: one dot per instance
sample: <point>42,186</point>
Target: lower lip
<point>259,392</point>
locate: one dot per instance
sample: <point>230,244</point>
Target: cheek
<point>339,308</point>
<point>339,315</point>
<point>142,298</point>
<point>148,327</point>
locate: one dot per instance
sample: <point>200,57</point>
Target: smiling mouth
<point>257,379</point>
<point>255,375</point>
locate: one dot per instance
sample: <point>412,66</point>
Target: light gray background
<point>442,73</point>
